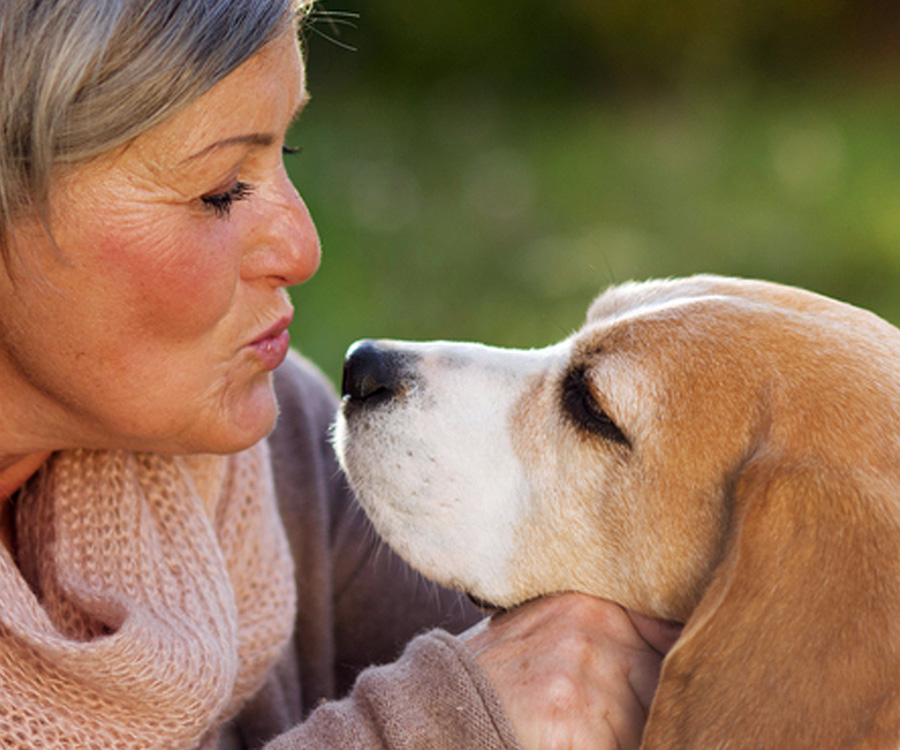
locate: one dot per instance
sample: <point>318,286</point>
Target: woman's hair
<point>80,77</point>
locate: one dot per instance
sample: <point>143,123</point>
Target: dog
<point>720,452</point>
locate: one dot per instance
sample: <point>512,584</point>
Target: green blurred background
<point>481,169</point>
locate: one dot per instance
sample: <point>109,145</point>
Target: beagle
<point>720,452</point>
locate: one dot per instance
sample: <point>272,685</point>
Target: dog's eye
<point>582,407</point>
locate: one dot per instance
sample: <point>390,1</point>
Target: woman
<point>149,596</point>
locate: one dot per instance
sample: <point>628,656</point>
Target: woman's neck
<point>15,471</point>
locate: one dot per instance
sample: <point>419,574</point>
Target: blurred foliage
<point>607,43</point>
<point>482,170</point>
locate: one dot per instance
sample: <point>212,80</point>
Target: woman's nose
<point>284,243</point>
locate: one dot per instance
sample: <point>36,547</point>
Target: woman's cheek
<point>178,282</point>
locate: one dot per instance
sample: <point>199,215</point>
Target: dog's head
<point>720,452</point>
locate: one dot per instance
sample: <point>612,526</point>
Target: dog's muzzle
<point>375,373</point>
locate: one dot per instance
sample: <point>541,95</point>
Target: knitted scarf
<point>148,597</point>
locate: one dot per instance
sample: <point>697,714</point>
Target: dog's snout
<point>374,372</point>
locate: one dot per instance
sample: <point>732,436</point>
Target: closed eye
<point>582,408</point>
<point>221,203</point>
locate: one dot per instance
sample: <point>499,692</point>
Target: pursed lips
<point>273,344</point>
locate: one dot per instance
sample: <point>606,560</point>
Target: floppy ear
<point>796,642</point>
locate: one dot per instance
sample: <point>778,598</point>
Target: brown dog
<point>720,452</point>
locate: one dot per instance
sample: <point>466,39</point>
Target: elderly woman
<point>172,575</point>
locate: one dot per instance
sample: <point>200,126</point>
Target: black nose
<point>374,372</point>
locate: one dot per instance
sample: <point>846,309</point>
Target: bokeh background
<point>481,169</point>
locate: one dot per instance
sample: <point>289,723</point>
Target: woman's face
<point>157,324</point>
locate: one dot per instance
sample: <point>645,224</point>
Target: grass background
<point>473,194</point>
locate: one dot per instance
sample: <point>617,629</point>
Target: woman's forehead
<point>253,105</point>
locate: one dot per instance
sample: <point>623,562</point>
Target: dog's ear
<point>796,642</point>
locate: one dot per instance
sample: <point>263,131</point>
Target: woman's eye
<point>291,150</point>
<point>584,411</point>
<point>221,203</point>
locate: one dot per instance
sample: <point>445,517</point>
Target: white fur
<point>438,473</point>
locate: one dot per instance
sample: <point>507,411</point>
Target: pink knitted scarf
<point>149,597</point>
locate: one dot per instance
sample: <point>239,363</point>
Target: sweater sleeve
<point>434,697</point>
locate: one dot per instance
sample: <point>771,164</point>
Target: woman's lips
<point>272,347</point>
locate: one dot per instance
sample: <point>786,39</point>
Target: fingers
<point>572,671</point>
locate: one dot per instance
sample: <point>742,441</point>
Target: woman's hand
<point>573,672</point>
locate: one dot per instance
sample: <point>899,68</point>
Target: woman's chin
<point>252,419</point>
<point>245,420</point>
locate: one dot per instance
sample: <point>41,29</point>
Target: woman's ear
<point>796,642</point>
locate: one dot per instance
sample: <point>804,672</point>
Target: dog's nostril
<point>372,372</point>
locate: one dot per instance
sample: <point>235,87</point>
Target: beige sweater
<point>151,597</point>
<point>147,602</point>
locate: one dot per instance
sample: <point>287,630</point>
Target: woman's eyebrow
<point>250,139</point>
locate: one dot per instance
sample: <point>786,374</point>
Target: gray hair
<point>81,77</point>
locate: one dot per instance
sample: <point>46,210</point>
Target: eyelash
<point>221,203</point>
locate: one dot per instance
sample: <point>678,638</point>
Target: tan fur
<point>758,503</point>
